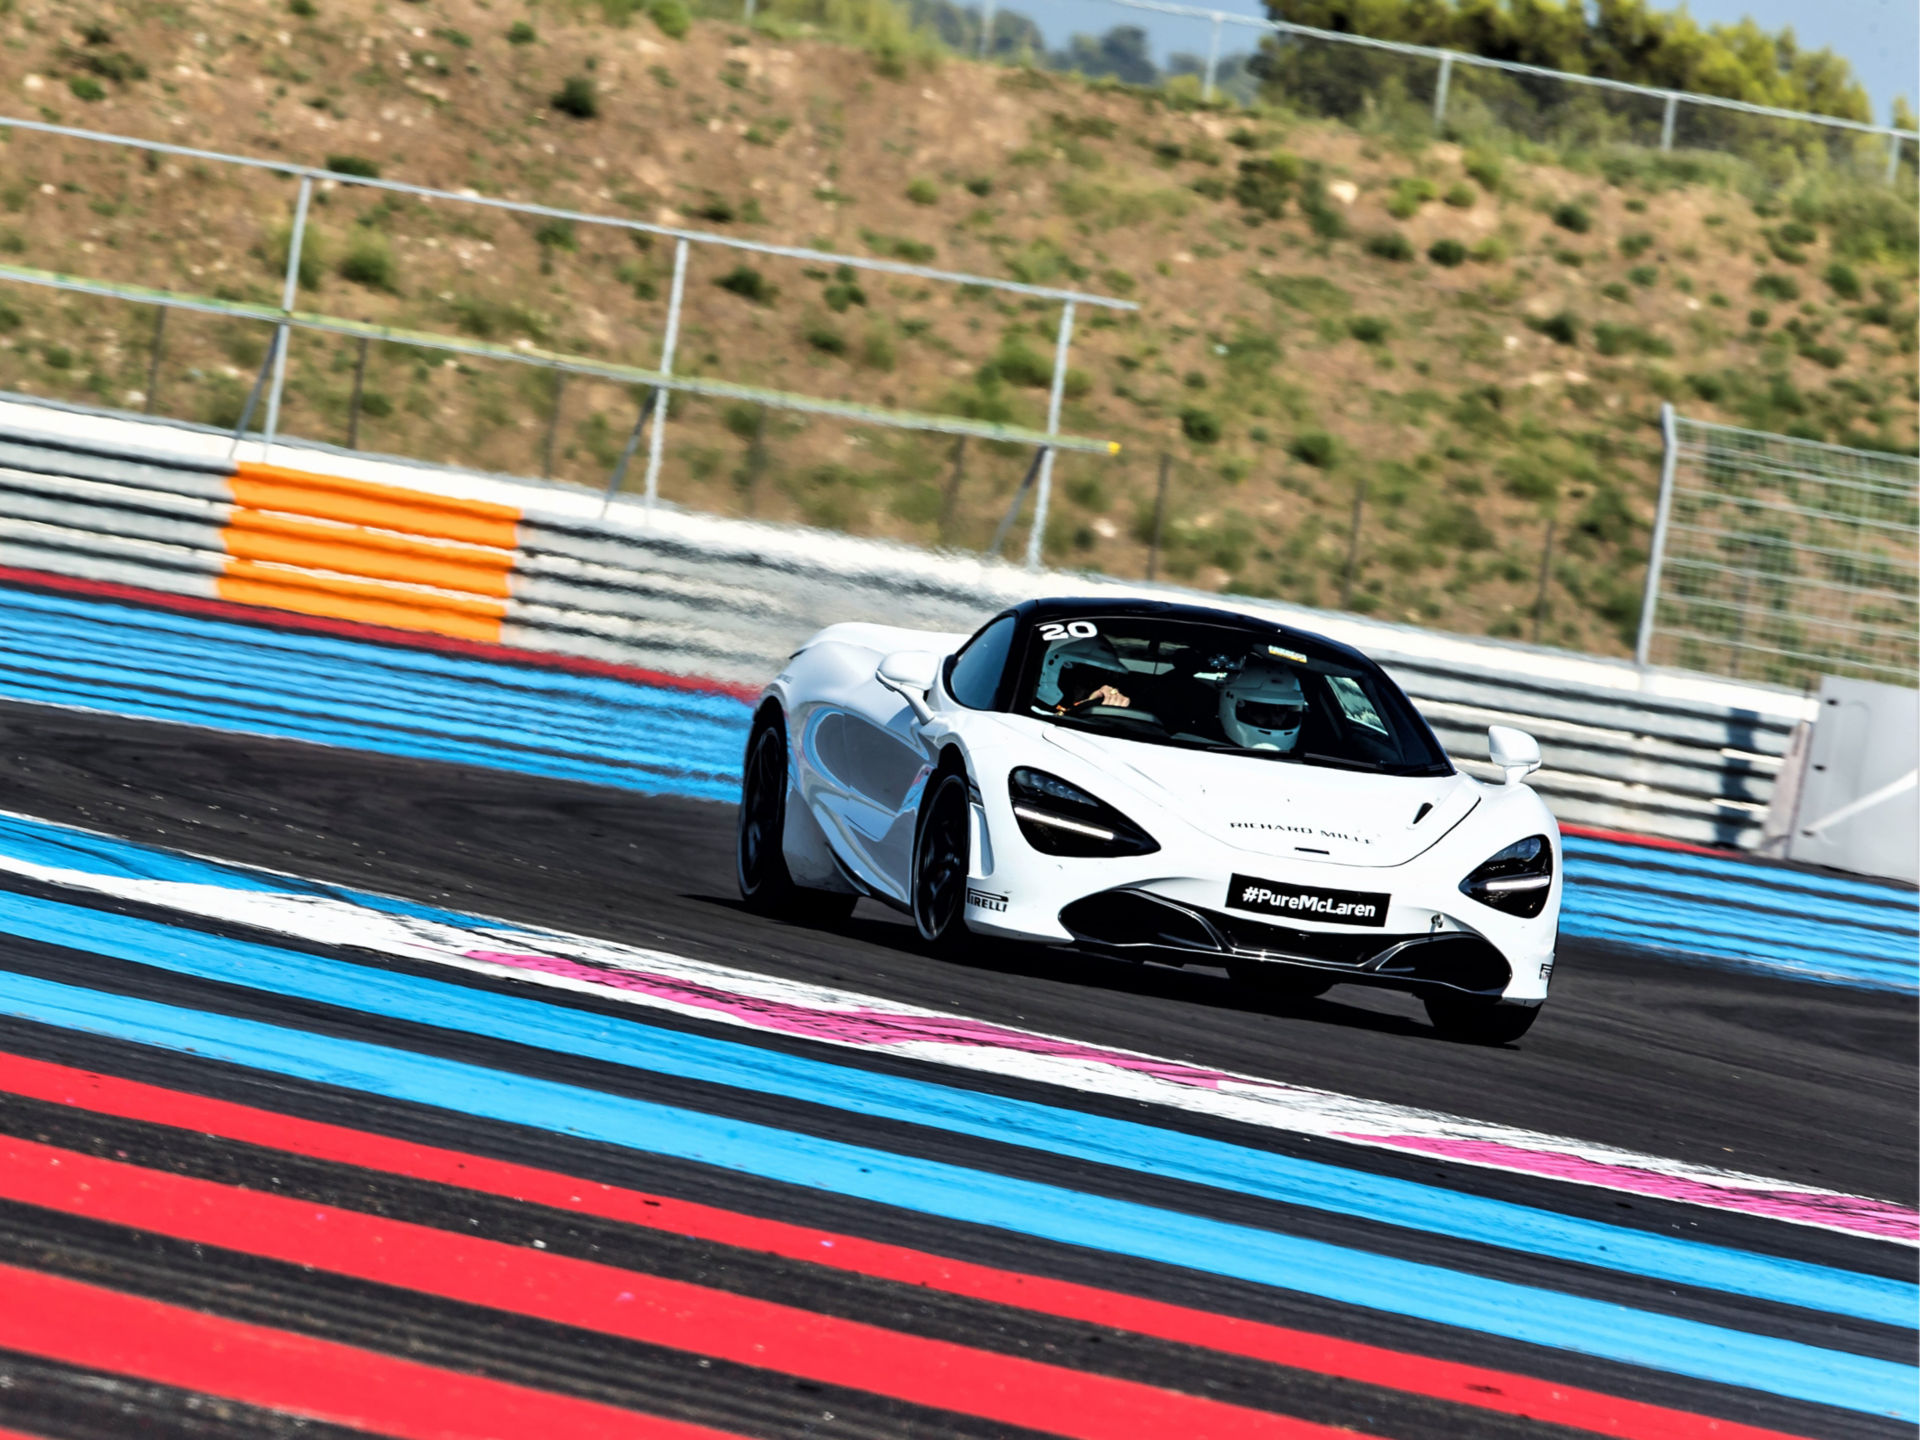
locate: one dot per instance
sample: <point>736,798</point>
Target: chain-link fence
<point>1781,559</point>
<point>1212,55</point>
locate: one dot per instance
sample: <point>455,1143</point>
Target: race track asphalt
<point>1809,1083</point>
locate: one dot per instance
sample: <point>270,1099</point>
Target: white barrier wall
<point>533,565</point>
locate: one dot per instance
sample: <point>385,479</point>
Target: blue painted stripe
<point>394,700</point>
<point>1121,1144</point>
<point>1352,1277</point>
<point>1766,878</point>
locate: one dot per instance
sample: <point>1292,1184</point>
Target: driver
<point>1262,708</point>
<point>1073,676</point>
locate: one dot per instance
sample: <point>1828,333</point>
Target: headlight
<point>1516,880</point>
<point>1062,819</point>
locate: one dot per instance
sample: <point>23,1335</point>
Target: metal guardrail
<point>661,381</point>
<point>1445,60</point>
<point>730,600</point>
<point>1782,558</point>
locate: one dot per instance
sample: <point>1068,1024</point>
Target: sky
<point>1880,37</point>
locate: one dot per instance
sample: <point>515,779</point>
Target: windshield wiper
<point>1344,761</point>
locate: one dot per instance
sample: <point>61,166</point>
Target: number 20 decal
<point>1072,630</point>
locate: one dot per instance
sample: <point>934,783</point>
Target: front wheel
<point>942,856</point>
<point>760,861</point>
<point>1477,1020</point>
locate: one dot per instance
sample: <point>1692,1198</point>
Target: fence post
<point>1019,495</point>
<point>1353,544</point>
<point>1656,550</point>
<point>253,395</point>
<point>986,31</point>
<point>153,359</point>
<point>553,423</point>
<point>746,17</point>
<point>1666,120</point>
<point>359,386</point>
<point>1038,534</point>
<point>626,455</point>
<point>657,439</point>
<point>287,297</point>
<point>1893,158</point>
<point>951,500</point>
<point>1213,58</point>
<point>1440,93</point>
<point>1540,600</point>
<point>1159,515</point>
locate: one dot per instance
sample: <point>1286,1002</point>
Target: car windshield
<point>1268,695</point>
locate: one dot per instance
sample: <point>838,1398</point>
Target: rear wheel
<point>1477,1020</point>
<point>1279,982</point>
<point>760,862</point>
<point>942,855</point>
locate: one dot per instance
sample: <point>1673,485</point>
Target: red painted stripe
<point>78,1324</point>
<point>631,1305</point>
<point>1485,1389</point>
<point>1623,837</point>
<point>377,634</point>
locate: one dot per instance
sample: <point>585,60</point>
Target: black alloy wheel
<point>942,853</point>
<point>1478,1019</point>
<point>760,862</point>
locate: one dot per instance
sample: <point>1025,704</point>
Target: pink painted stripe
<point>1856,1213</point>
<point>877,1029</point>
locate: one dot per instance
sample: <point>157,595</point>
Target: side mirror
<point>911,673</point>
<point>1514,751</point>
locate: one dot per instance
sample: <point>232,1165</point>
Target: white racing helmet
<point>1096,651</point>
<point>1262,708</point>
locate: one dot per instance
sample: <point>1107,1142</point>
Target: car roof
<point>1068,607</point>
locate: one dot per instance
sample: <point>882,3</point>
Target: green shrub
<point>749,284</point>
<point>1777,287</point>
<point>1484,167</point>
<point>1460,195</point>
<point>311,263</point>
<point>1709,388</point>
<point>1389,245</point>
<point>923,191</point>
<point>1563,328</point>
<point>1843,280</point>
<point>672,17</point>
<point>1263,184</point>
<point>1410,192</point>
<point>981,185</point>
<point>58,357</point>
<point>1369,329</point>
<point>1564,256</point>
<point>1759,319</point>
<point>369,260</point>
<point>1211,186</point>
<point>354,165</point>
<point>1447,252</point>
<point>1635,245</point>
<point>1614,290</point>
<point>1628,340</point>
<point>85,87</point>
<point>1315,448</point>
<point>1490,251</point>
<point>577,97</point>
<point>556,234</point>
<point>376,405</point>
<point>1795,233</point>
<point>1570,216</point>
<point>521,33</point>
<point>302,9</point>
<point>825,338</point>
<point>1200,426</point>
<point>1791,254</point>
<point>1645,276</point>
<point>1019,363</point>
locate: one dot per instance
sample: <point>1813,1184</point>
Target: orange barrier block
<point>278,587</point>
<point>386,507</point>
<point>374,554</point>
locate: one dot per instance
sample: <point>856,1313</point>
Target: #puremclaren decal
<point>1337,907</point>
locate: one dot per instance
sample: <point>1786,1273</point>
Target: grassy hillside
<point>1479,337</point>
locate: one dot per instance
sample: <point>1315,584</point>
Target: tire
<point>1475,1020</point>
<point>1279,982</point>
<point>942,856</point>
<point>760,863</point>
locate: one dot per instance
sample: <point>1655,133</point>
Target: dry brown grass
<point>1469,426</point>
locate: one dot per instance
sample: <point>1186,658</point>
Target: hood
<point>1293,812</point>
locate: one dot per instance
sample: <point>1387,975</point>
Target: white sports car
<point>1158,781</point>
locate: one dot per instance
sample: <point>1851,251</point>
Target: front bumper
<point>1135,921</point>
